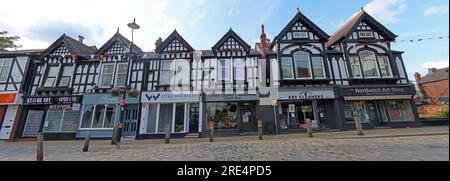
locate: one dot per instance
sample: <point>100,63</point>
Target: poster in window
<point>292,108</point>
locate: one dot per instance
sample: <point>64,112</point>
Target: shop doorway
<point>295,114</point>
<point>8,121</point>
<point>130,121</point>
<point>194,114</point>
<point>248,122</point>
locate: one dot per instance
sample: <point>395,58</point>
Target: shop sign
<point>376,91</point>
<point>94,99</point>
<point>307,95</point>
<point>51,100</point>
<point>223,98</point>
<point>170,97</point>
<point>7,98</point>
<point>60,107</point>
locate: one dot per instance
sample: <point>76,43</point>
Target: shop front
<point>177,112</point>
<point>10,112</point>
<point>231,114</point>
<point>100,113</point>
<point>385,106</point>
<point>297,106</point>
<point>56,117</point>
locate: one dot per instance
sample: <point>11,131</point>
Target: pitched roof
<point>351,25</point>
<point>74,47</point>
<point>21,52</point>
<point>231,34</point>
<point>121,39</point>
<point>440,74</point>
<point>174,35</point>
<point>307,22</point>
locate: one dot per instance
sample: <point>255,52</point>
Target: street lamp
<point>133,27</point>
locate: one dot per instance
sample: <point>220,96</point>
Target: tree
<point>8,41</point>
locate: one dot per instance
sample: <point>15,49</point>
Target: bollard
<point>309,128</point>
<point>260,130</point>
<point>113,139</point>
<point>211,135</point>
<point>40,147</point>
<point>359,126</point>
<point>119,134</point>
<point>87,139</point>
<point>167,135</point>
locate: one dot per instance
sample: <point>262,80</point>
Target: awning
<point>369,98</point>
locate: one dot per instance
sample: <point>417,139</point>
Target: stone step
<point>192,135</point>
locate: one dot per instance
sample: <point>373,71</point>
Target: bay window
<point>286,67</point>
<point>318,67</point>
<point>369,62</point>
<point>385,67</point>
<point>302,65</point>
<point>5,68</point>
<point>122,70</point>
<point>355,66</point>
<point>52,76</point>
<point>99,116</point>
<point>107,75</point>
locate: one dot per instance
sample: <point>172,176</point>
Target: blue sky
<point>203,22</point>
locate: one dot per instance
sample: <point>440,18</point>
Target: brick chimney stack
<point>431,71</point>
<point>80,38</point>
<point>418,76</point>
<point>158,43</point>
<point>263,38</point>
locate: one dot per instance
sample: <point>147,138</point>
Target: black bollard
<point>87,139</point>
<point>211,135</point>
<point>260,130</point>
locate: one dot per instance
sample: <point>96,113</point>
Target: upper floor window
<point>66,76</point>
<point>107,75</point>
<point>356,67</point>
<point>318,67</point>
<point>385,66</point>
<point>166,72</point>
<point>369,62</point>
<point>286,67</point>
<point>239,69</point>
<point>5,68</point>
<point>122,70</point>
<point>300,34</point>
<point>224,70</point>
<point>302,65</point>
<point>52,76</point>
<point>365,34</point>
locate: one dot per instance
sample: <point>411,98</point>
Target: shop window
<point>365,110</point>
<point>98,116</point>
<point>179,118</point>
<point>86,121</point>
<point>385,66</point>
<point>52,76</point>
<point>5,68</point>
<point>318,67</point>
<point>66,77</point>
<point>107,75</point>
<point>151,118</point>
<point>224,115</point>
<point>121,78</point>
<point>110,116</point>
<point>400,111</point>
<point>165,117</point>
<point>61,120</point>
<point>286,66</point>
<point>355,66</point>
<point>302,65</point>
<point>369,62</point>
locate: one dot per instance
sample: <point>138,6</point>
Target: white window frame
<point>123,74</point>
<point>356,59</point>
<point>103,72</point>
<point>364,67</point>
<point>301,35</point>
<point>388,65</point>
<point>366,34</point>
<point>227,69</point>
<point>323,67</point>
<point>55,82</point>
<point>295,66</point>
<point>170,70</point>
<point>68,76</point>
<point>291,64</point>
<point>93,116</point>
<point>3,65</point>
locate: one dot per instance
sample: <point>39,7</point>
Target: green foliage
<point>8,41</point>
<point>444,114</point>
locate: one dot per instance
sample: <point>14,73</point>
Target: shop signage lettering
<point>306,95</point>
<point>51,100</point>
<point>377,91</point>
<point>166,97</point>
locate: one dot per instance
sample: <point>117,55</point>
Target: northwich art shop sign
<point>377,91</point>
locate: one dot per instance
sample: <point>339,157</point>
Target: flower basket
<point>133,93</point>
<point>116,91</point>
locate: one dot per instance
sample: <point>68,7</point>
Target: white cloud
<point>436,64</point>
<point>436,10</point>
<point>386,11</point>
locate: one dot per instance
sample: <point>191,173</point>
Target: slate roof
<point>74,47</point>
<point>351,25</point>
<point>123,40</point>
<point>21,52</point>
<point>440,74</point>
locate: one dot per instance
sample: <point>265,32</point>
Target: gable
<point>62,50</point>
<point>175,45</point>
<point>116,48</point>
<point>231,44</point>
<point>365,31</point>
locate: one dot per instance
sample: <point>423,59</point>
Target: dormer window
<point>66,77</point>
<point>365,34</point>
<point>300,35</point>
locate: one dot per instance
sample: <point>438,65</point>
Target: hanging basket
<point>133,93</point>
<point>116,91</point>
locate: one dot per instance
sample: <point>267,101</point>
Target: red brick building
<point>432,91</point>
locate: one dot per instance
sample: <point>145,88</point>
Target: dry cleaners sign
<point>170,97</point>
<point>306,95</point>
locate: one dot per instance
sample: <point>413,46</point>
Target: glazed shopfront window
<point>99,116</point>
<point>173,116</point>
<point>366,111</point>
<point>400,111</point>
<point>61,120</point>
<point>224,115</point>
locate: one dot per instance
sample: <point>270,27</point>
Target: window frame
<point>362,63</point>
<point>117,75</point>
<point>388,65</point>
<point>103,73</point>
<point>243,68</point>
<point>228,70</point>
<point>357,60</point>
<point>366,34</point>
<point>323,67</point>
<point>291,65</point>
<point>93,116</point>
<point>300,33</point>
<point>62,76</point>
<point>3,65</point>
<point>56,77</point>
<point>309,64</point>
<point>162,71</point>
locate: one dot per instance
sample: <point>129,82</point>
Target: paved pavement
<point>410,144</point>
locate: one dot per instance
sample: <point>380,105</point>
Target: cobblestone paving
<point>414,148</point>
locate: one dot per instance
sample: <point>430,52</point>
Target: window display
<point>400,111</point>
<point>224,115</point>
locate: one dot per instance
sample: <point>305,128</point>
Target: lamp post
<point>133,27</point>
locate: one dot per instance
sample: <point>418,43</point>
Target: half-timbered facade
<point>372,77</point>
<point>108,70</point>
<point>14,71</point>
<point>52,105</point>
